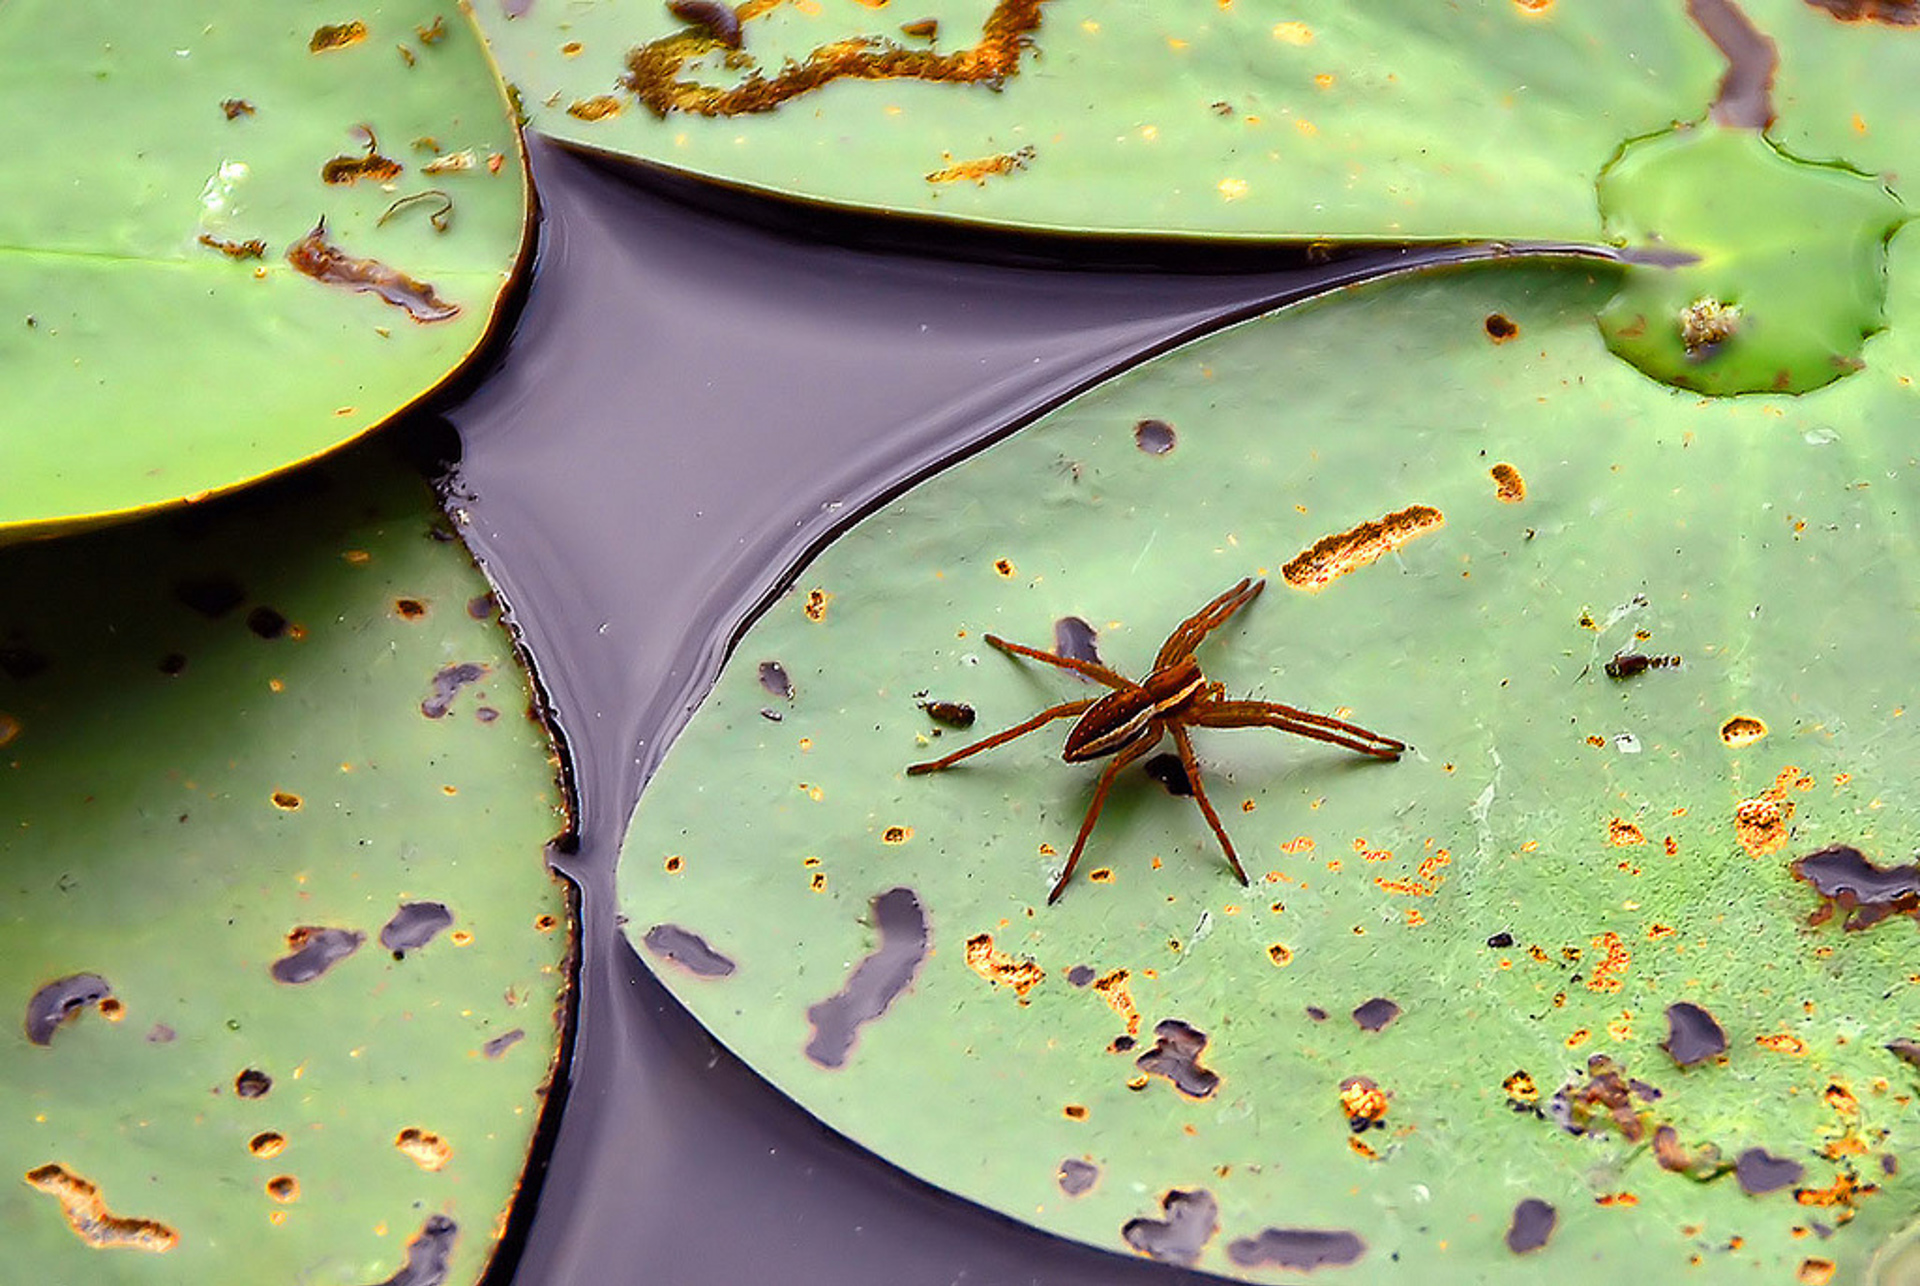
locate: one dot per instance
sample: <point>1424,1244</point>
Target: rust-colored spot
<point>1521,1089</point>
<point>954,714</point>
<point>1334,556</point>
<point>267,1143</point>
<point>1101,875</point>
<point>1760,823</point>
<point>1892,13</point>
<point>87,1214</point>
<point>1615,956</point>
<point>1533,8</point>
<point>1074,1111</point>
<point>1617,1199</point>
<point>896,835</point>
<point>674,863</point>
<point>283,1188</point>
<point>1298,844</point>
<point>1742,730</point>
<point>337,36</point>
<point>235,108</point>
<point>409,609</point>
<point>1500,329</point>
<point>1000,969</point>
<point>1782,1043</point>
<point>1845,1190</point>
<point>1848,881</point>
<point>286,799</point>
<point>816,605</point>
<point>1004,567</point>
<point>423,1147</point>
<point>1509,488</point>
<point>316,257</point>
<point>655,70</point>
<point>1814,1271</point>
<point>921,28</point>
<point>1363,1101</point>
<point>1623,834</point>
<point>1280,953</point>
<point>981,168</point>
<point>253,248</point>
<point>252,1083</point>
<point>819,882</point>
<point>597,108</point>
<point>432,33</point>
<point>1113,989</point>
<point>572,49</point>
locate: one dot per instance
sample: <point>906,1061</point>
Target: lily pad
<point>1398,121</point>
<point>1762,273</point>
<point>1608,974</point>
<point>284,959</point>
<point>237,237</point>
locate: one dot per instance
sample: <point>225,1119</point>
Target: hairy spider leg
<point>1190,633</point>
<point>1126,755</point>
<point>1302,723</point>
<point>1089,669</point>
<point>1192,765</point>
<point>1021,729</point>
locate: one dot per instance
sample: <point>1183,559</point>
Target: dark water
<point>689,405</point>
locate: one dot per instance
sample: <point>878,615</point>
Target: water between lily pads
<point>688,405</point>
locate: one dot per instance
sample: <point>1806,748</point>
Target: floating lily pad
<point>1399,121</point>
<point>282,953</point>
<point>1467,1023</point>
<point>237,237</point>
<point>1760,273</point>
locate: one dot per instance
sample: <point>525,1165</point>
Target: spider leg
<point>1302,723</point>
<point>1189,633</point>
<point>1089,669</point>
<point>1126,756</point>
<point>1020,729</point>
<point>1192,765</point>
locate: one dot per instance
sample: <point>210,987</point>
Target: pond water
<point>689,405</point>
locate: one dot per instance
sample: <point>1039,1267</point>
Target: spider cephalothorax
<point>1131,720</point>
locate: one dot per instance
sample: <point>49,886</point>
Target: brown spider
<point>1130,721</point>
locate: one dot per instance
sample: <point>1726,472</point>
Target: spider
<point>1130,721</point>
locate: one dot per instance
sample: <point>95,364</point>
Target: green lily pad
<point>170,323</point>
<point>1399,121</point>
<point>1764,273</point>
<point>284,961</point>
<point>1606,976</point>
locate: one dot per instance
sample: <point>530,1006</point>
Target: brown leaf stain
<point>654,69</point>
<point>316,257</point>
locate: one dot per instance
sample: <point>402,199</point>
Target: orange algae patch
<point>1615,957</point>
<point>597,108</point>
<point>91,1221</point>
<point>1332,557</point>
<point>980,169</point>
<point>1624,834</point>
<point>1425,881</point>
<point>1001,969</point>
<point>1509,488</point>
<point>1113,989</point>
<point>1760,823</point>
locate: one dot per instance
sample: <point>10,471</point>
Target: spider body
<point>1128,722</point>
